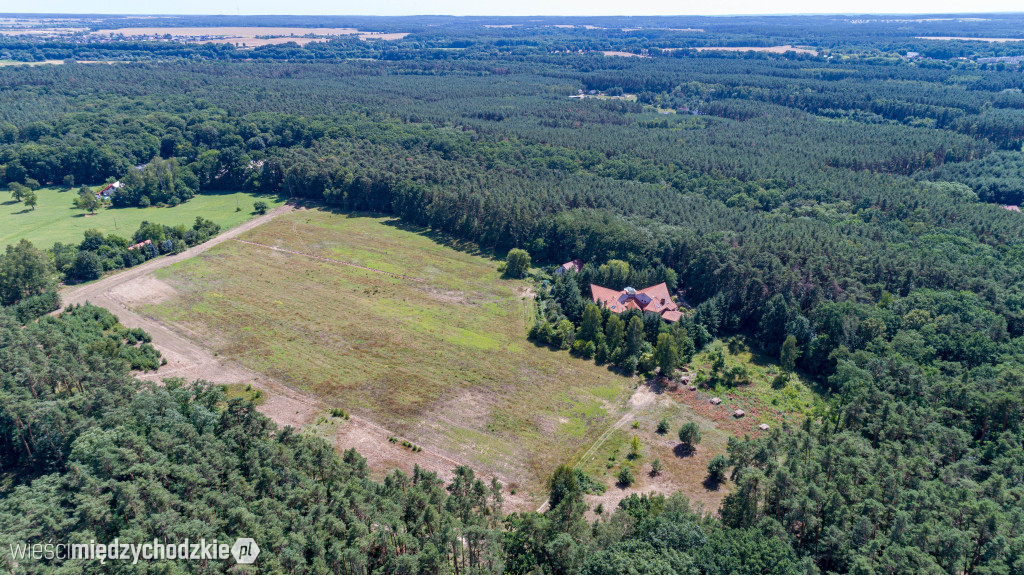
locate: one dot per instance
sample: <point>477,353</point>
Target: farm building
<point>655,299</point>
<point>573,266</point>
<point>108,190</point>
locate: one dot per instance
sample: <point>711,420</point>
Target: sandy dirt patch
<point>146,289</point>
<point>382,36</point>
<point>623,54</point>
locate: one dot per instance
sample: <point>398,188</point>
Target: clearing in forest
<point>444,361</point>
<point>56,220</point>
<point>769,49</point>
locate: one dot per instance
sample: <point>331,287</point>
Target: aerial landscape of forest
<point>526,295</point>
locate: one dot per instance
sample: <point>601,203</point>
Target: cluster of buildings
<point>654,299</point>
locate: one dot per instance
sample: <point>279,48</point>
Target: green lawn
<point>762,402</point>
<point>444,361</point>
<point>55,220</point>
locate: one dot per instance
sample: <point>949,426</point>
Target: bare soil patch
<point>382,36</point>
<point>623,54</point>
<point>145,289</point>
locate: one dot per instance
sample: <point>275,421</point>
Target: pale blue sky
<point>511,8</point>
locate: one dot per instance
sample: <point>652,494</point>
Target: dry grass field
<point>443,361</point>
<point>228,31</point>
<point>965,38</point>
<point>769,49</point>
<point>249,36</point>
<point>423,337</point>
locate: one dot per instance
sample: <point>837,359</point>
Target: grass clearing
<point>443,362</point>
<point>759,399</point>
<point>56,220</point>
<point>234,390</point>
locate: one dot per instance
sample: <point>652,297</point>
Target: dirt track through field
<point>189,359</point>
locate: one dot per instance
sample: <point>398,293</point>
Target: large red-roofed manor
<point>655,299</point>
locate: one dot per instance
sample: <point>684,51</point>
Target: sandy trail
<point>284,405</point>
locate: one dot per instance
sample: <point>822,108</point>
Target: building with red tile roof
<point>573,266</point>
<point>654,299</point>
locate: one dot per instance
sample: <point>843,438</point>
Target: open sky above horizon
<point>519,8</point>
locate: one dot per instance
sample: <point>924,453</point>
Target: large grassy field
<point>443,361</point>
<point>55,220</point>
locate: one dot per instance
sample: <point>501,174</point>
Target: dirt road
<point>186,357</point>
<point>86,292</point>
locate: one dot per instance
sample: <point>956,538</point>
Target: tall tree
<point>517,263</point>
<point>665,353</point>
<point>614,330</point>
<point>789,354</point>
<point>86,200</point>
<point>634,335</point>
<point>590,327</point>
<point>24,272</point>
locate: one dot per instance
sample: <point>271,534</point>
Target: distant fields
<point>55,220</point>
<point>444,361</point>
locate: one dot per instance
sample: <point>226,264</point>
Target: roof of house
<point>573,266</point>
<point>112,186</point>
<point>1012,208</point>
<point>672,315</point>
<point>140,244</point>
<point>654,299</point>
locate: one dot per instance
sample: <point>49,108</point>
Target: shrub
<point>588,350</point>
<point>634,447</point>
<point>689,435</point>
<point>587,483</point>
<point>626,477</point>
<point>780,381</point>
<point>564,334</point>
<point>656,467</point>
<point>629,363</point>
<point>260,207</point>
<point>716,468</point>
<point>663,426</point>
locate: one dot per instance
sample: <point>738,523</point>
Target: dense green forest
<point>843,206</point>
